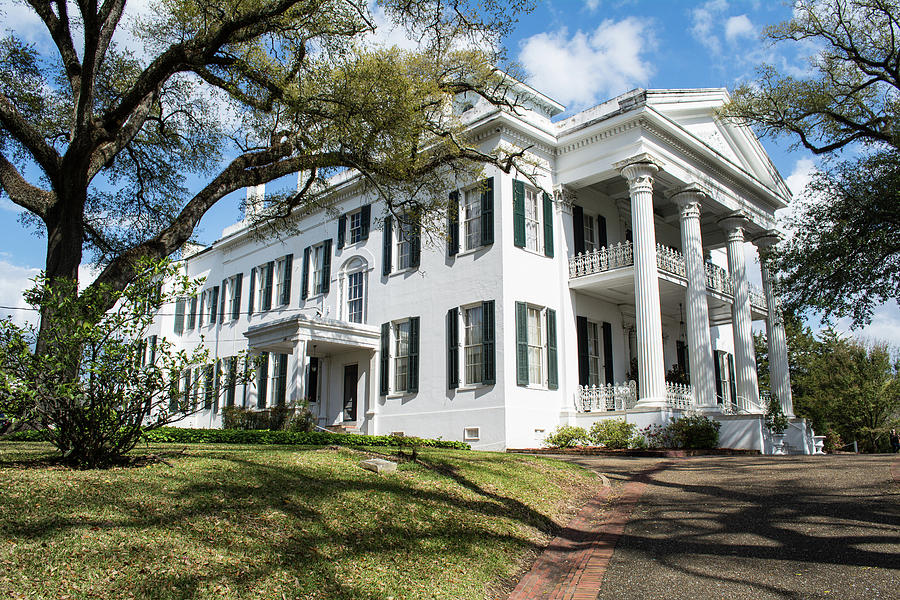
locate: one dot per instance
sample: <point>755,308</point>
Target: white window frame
<point>590,235</point>
<point>534,227</point>
<point>354,230</point>
<point>399,361</point>
<point>470,218</point>
<point>278,280</point>
<point>537,352</point>
<point>403,244</point>
<point>356,304</point>
<point>473,373</point>
<point>231,284</point>
<point>596,372</point>
<point>260,287</point>
<point>317,268</point>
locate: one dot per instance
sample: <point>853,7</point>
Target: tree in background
<point>844,257</point>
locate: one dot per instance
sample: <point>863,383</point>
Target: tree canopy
<point>843,259</point>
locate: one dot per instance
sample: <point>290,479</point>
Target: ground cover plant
<point>216,521</point>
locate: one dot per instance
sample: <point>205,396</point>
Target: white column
<point>744,356</point>
<point>298,396</point>
<point>779,369</point>
<point>703,378</point>
<point>651,368</point>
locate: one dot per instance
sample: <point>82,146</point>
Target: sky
<point>579,53</point>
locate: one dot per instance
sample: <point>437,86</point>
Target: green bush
<point>695,431</point>
<point>614,433</point>
<point>833,441</point>
<point>274,419</point>
<point>567,436</point>
<point>177,435</point>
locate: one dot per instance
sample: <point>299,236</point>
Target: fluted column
<point>703,378</point>
<point>651,368</point>
<point>744,355</point>
<point>779,369</point>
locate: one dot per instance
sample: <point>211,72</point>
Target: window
<point>355,297</point>
<point>192,314</point>
<point>408,245</point>
<point>535,347</point>
<point>231,371</point>
<point>318,259</point>
<point>405,242</point>
<point>355,232</point>
<point>354,227</point>
<point>472,347</point>
<point>472,219</point>
<point>476,213</point>
<point>284,266</point>
<point>595,357</point>
<point>400,356</point>
<point>589,239</point>
<point>536,356</point>
<point>234,286</point>
<point>264,276</point>
<point>471,434</point>
<point>279,379</point>
<point>532,221</point>
<point>317,263</point>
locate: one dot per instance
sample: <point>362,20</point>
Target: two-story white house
<point>544,304</point>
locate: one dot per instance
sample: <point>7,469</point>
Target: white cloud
<point>704,19</point>
<point>738,27</point>
<point>803,172</point>
<point>14,280</point>
<point>885,326</point>
<point>592,5</point>
<point>583,69</point>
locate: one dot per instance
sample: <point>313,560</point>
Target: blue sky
<point>580,54</point>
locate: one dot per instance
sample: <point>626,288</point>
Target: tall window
<point>318,269</point>
<point>595,358</point>
<point>472,347</point>
<point>283,288</point>
<point>405,235</point>
<point>355,228</point>
<point>590,243</point>
<point>355,297</point>
<point>535,347</point>
<point>532,220</point>
<point>264,277</point>
<point>471,210</point>
<point>401,356</point>
<point>234,296</point>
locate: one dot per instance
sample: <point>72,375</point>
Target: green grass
<point>283,522</point>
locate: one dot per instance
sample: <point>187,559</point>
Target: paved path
<point>730,527</point>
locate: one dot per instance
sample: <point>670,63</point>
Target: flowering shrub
<point>658,436</point>
<point>567,436</point>
<point>692,431</point>
<point>615,433</point>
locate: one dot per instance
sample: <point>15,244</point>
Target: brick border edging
<point>895,470</point>
<point>574,563</point>
<point>651,453</point>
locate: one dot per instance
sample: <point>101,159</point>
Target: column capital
<point>689,199</point>
<point>734,224</point>
<point>565,197</point>
<point>767,239</point>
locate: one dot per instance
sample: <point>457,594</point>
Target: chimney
<point>256,196</point>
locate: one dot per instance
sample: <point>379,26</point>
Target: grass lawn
<point>278,522</point>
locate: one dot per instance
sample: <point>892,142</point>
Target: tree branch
<point>21,129</point>
<point>29,197</point>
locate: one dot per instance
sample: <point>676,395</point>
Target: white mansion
<point>543,307</point>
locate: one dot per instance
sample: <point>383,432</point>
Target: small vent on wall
<point>398,434</point>
<point>471,434</point>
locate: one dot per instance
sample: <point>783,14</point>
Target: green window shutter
<point>453,224</point>
<point>601,232</point>
<point>487,212</point>
<point>174,378</point>
<point>236,307</point>
<point>488,346</point>
<point>214,304</point>
<point>208,391</point>
<point>581,335</point>
<point>192,315</point>
<point>200,314</point>
<point>453,348</point>
<point>415,255</point>
<point>386,246</point>
<point>578,229</point>
<point>281,381</point>
<point>548,225</point>
<point>413,386</point>
<point>385,357</point>
<point>262,380</point>
<point>286,276</point>
<point>519,213</point>
<point>304,278</point>
<point>365,219</point>
<point>179,316</point>
<point>608,352</point>
<point>326,267</point>
<point>521,344</point>
<point>552,369</point>
<point>267,288</point>
<point>152,350</point>
<point>230,381</point>
<point>342,229</point>
<point>223,295</point>
<point>250,297</point>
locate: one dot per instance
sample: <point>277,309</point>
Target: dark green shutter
<point>487,212</point>
<point>214,305</point>
<point>365,219</point>
<point>608,353</point>
<point>342,228</point>
<point>601,232</point>
<point>326,268</point>
<point>200,314</point>
<point>385,357</point>
<point>521,343</point>
<point>578,229</point>
<point>174,378</point>
<point>581,335</point>
<point>488,346</point>
<point>453,223</point>
<point>236,307</point>
<point>413,355</point>
<point>262,381</point>
<point>386,247</point>
<point>519,213</point>
<point>267,289</point>
<point>286,279</point>
<point>208,390</point>
<point>548,225</point>
<point>281,381</point>
<point>304,278</point>
<point>192,316</point>
<point>552,369</point>
<point>231,381</point>
<point>453,348</point>
<point>720,389</point>
<point>415,251</point>
<point>179,316</point>
<point>250,296</point>
<point>152,350</point>
<point>222,301</point>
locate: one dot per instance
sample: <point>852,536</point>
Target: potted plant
<point>776,423</point>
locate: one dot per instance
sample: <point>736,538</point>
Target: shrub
<point>833,441</point>
<point>274,419</point>
<point>658,436</point>
<point>776,421</point>
<point>614,433</point>
<point>567,436</point>
<point>178,435</point>
<point>695,431</point>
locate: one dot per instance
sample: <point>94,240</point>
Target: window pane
<point>318,268</point>
<point>355,227</point>
<point>532,221</point>
<point>404,245</point>
<point>401,356</point>
<point>472,219</point>
<point>589,245</point>
<point>472,343</point>
<point>535,347</point>
<point>355,297</point>
<point>595,373</point>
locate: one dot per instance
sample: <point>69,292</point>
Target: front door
<point>351,380</point>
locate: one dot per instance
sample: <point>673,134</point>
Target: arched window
<point>353,279</point>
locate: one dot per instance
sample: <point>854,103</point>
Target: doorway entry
<point>351,381</point>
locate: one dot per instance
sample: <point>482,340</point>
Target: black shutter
<point>578,230</point>
<point>386,246</point>
<point>581,335</point>
<point>488,352</point>
<point>487,212</point>
<point>519,213</point>
<point>453,348</point>
<point>236,306</point>
<point>521,344</point>
<point>385,357</point>
<point>552,368</point>
<point>719,391</point>
<point>179,316</point>
<point>415,251</point>
<point>608,353</point>
<point>326,267</point>
<point>214,305</point>
<point>548,225</point>
<point>364,220</point>
<point>222,301</point>
<point>413,385</point>
<point>262,382</point>
<point>601,232</point>
<point>342,228</point>
<point>267,290</point>
<point>312,380</point>
<point>281,381</point>
<point>252,291</point>
<point>732,384</point>
<point>453,223</point>
<point>286,279</point>
<point>304,279</point>
<point>192,316</point>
